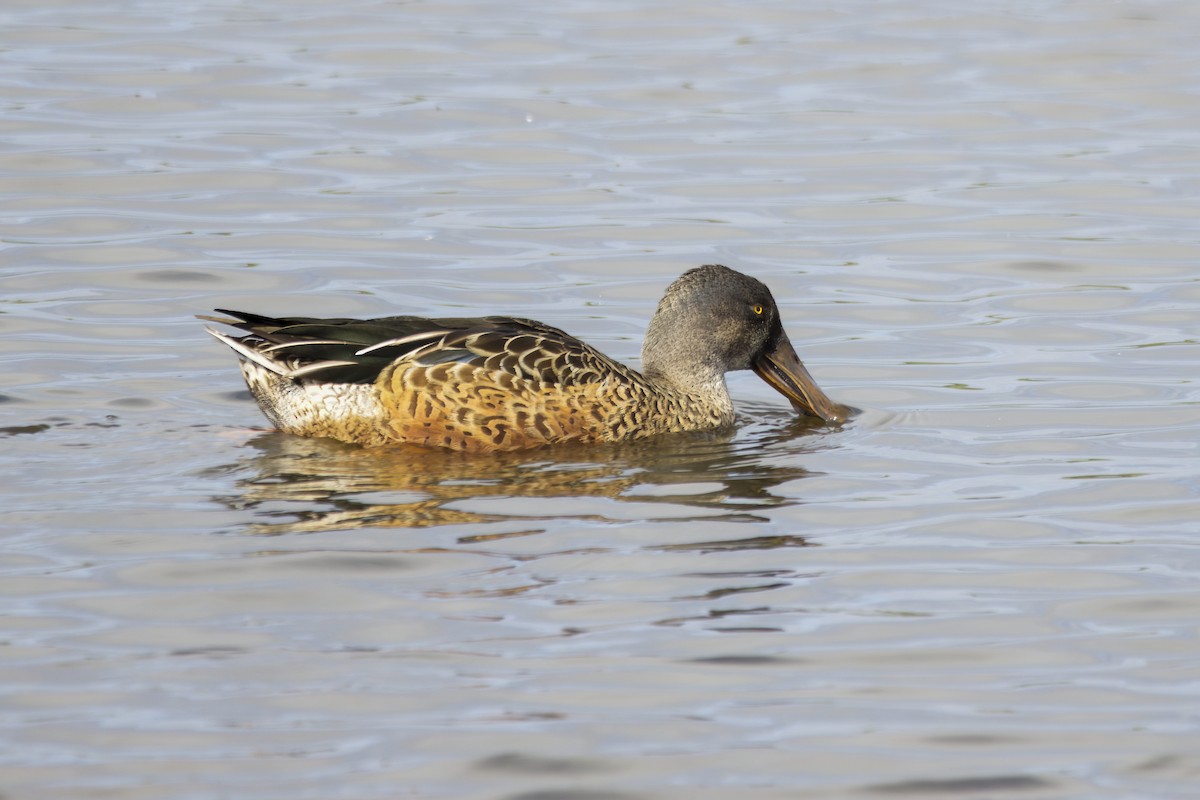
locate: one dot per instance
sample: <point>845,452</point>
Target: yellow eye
<point>757,310</point>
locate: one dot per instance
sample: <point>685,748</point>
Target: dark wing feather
<point>357,351</point>
<point>300,342</point>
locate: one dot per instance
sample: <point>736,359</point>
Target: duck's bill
<point>782,369</point>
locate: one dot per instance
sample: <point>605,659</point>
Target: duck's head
<point>714,320</point>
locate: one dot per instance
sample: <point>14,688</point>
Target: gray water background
<point>979,219</point>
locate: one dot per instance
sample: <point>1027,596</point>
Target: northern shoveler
<point>502,383</point>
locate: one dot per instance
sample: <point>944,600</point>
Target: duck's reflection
<point>302,485</point>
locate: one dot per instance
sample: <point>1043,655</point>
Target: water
<point>979,221</point>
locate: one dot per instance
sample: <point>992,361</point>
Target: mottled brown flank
<point>479,409</point>
<point>465,407</point>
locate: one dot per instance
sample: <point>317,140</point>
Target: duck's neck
<point>685,388</point>
<point>705,401</point>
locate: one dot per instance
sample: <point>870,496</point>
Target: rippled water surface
<point>979,219</point>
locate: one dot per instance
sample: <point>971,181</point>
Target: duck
<point>508,383</point>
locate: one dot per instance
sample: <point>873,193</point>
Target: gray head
<point>714,320</point>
